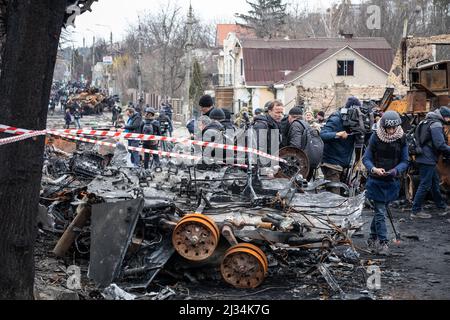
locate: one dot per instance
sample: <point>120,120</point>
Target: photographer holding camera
<point>165,124</point>
<point>341,135</point>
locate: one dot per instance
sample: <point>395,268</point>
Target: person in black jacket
<point>134,125</point>
<point>151,126</point>
<point>227,123</point>
<point>68,119</point>
<point>214,132</point>
<point>268,128</point>
<point>434,145</point>
<point>297,135</point>
<point>293,135</point>
<point>206,104</point>
<point>116,111</point>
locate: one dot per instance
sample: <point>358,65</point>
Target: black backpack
<point>419,137</point>
<point>312,144</point>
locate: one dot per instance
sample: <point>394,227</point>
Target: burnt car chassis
<point>132,222</point>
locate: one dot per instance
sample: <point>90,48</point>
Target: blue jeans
<point>378,229</point>
<point>429,182</point>
<point>135,159</point>
<point>77,122</point>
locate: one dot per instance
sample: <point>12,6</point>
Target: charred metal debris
<point>134,225</point>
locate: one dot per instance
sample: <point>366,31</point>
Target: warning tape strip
<point>135,136</point>
<point>143,150</point>
<point>137,149</point>
<point>184,141</point>
<point>22,137</point>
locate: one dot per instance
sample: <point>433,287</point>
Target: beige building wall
<point>261,96</point>
<point>366,74</point>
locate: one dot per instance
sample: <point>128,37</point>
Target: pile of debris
<point>135,225</point>
<point>91,101</point>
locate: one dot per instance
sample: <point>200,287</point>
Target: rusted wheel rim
<point>196,237</point>
<point>244,266</point>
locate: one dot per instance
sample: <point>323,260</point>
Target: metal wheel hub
<point>196,237</point>
<point>245,266</point>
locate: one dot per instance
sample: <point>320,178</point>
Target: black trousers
<point>156,160</point>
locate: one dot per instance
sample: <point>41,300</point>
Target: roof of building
<point>267,61</point>
<point>223,30</point>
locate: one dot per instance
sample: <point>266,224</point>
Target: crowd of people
<point>145,120</point>
<point>331,143</point>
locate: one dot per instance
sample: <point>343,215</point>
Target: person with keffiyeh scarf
<point>386,159</point>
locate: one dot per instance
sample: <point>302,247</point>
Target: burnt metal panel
<point>417,101</point>
<point>152,261</point>
<point>112,228</point>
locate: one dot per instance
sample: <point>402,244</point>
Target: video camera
<point>358,121</point>
<point>164,127</point>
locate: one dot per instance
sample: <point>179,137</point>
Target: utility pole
<point>187,109</point>
<point>72,65</point>
<point>111,41</point>
<point>139,61</point>
<point>93,60</point>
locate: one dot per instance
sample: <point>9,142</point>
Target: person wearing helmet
<point>151,126</point>
<point>386,159</point>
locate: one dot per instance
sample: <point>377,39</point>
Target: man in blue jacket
<point>339,145</point>
<point>386,159</point>
<point>433,146</point>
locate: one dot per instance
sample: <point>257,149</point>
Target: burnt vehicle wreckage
<point>133,223</point>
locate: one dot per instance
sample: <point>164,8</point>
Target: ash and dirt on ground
<point>417,268</point>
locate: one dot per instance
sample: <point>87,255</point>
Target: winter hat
<point>258,112</point>
<point>391,119</point>
<point>206,101</point>
<point>296,111</point>
<point>217,114</point>
<point>352,102</point>
<point>150,110</point>
<point>445,112</point>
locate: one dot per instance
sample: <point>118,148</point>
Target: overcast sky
<point>116,15</point>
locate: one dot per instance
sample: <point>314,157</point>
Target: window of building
<point>242,67</point>
<point>345,68</point>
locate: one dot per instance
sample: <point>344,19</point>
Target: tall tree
<point>197,87</point>
<point>267,17</point>
<point>33,30</point>
<point>164,38</point>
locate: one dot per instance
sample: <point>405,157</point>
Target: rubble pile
<point>129,227</point>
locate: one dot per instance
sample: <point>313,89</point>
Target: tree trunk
<point>33,31</point>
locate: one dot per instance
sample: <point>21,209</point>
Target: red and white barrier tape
<point>22,137</point>
<point>131,136</point>
<point>135,136</point>
<point>140,150</point>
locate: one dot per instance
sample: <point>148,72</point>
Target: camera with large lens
<point>164,127</point>
<point>358,121</point>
